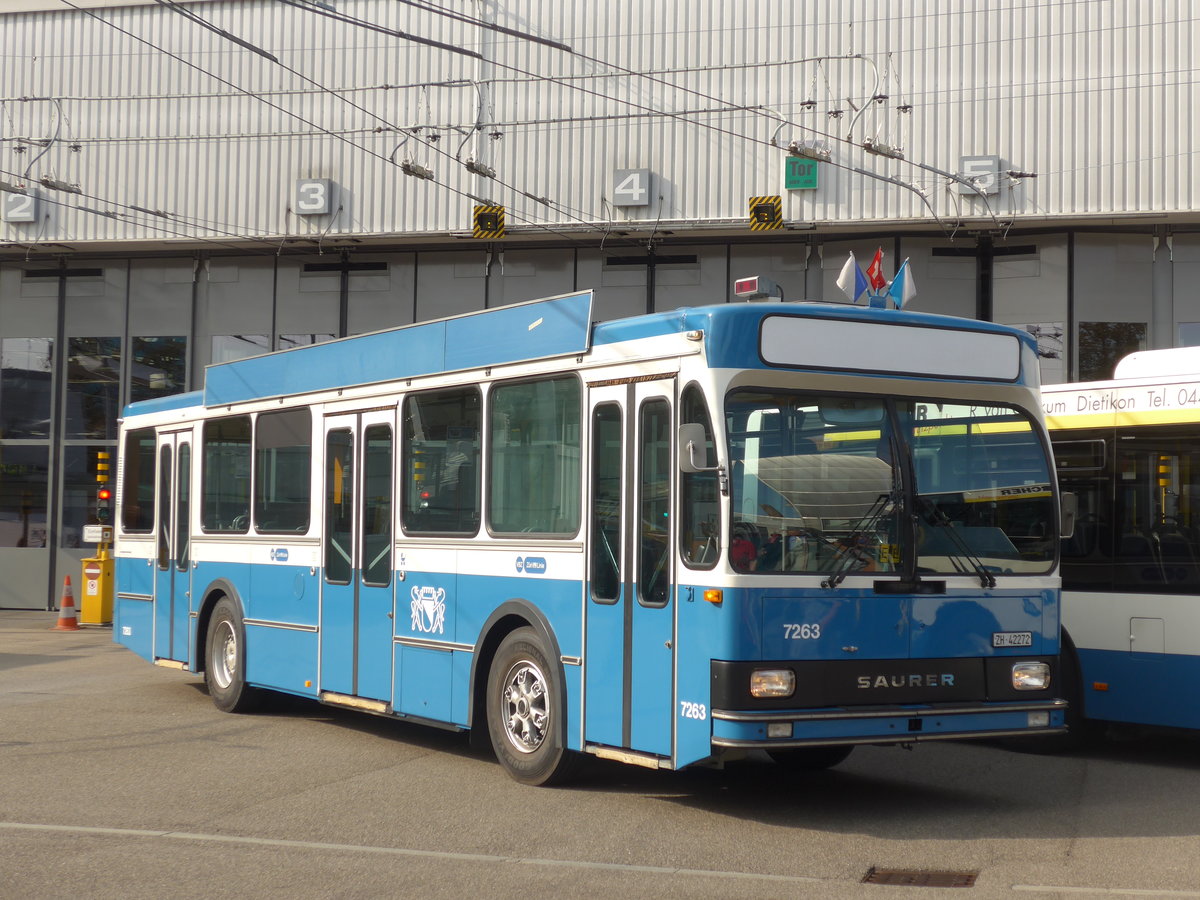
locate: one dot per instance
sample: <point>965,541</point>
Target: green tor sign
<point>799,173</point>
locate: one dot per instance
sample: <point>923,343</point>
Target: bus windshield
<point>821,484</point>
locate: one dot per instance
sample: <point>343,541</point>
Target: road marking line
<point>1114,892</point>
<point>405,851</point>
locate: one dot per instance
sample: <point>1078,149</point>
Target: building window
<point>228,347</point>
<point>24,475</point>
<point>26,371</point>
<point>159,367</point>
<point>1103,344</point>
<point>93,387</point>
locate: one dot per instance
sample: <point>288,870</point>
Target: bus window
<point>282,467</point>
<point>606,502</point>
<point>137,495</point>
<point>983,488</point>
<point>441,462</point>
<point>227,475</point>
<point>813,484</point>
<point>534,457</point>
<point>654,497</point>
<point>377,506</point>
<point>699,525</point>
<point>1155,515</point>
<point>339,506</point>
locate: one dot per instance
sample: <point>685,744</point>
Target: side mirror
<point>1069,509</point>
<point>693,453</point>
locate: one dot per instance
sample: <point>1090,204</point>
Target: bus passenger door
<point>629,666</point>
<point>172,564</point>
<point>356,555</point>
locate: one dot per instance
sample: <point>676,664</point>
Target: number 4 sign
<point>631,187</point>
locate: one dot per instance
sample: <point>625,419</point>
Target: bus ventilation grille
<point>918,878</point>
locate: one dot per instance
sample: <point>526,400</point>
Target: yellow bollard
<point>96,602</point>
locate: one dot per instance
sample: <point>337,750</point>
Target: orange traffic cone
<point>68,619</point>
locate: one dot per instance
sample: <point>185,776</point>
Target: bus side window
<point>699,520</point>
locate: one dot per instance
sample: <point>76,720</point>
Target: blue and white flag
<point>852,281</point>
<point>903,288</point>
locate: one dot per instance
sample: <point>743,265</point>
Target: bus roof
<point>563,326</point>
<point>1157,363</point>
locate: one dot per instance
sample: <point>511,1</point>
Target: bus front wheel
<point>225,660</point>
<point>523,712</point>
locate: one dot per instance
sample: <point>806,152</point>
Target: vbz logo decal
<point>429,609</point>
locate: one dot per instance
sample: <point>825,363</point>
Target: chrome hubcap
<point>526,706</point>
<point>224,655</point>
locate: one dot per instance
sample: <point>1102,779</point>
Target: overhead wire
<point>560,80</point>
<point>44,198</point>
<point>282,109</point>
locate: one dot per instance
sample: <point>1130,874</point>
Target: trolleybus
<point>1129,449</point>
<point>666,540</point>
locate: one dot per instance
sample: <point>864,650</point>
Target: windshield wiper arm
<point>846,557</point>
<point>934,515</point>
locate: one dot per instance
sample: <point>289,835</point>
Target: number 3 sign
<point>314,197</point>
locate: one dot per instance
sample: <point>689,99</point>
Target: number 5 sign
<point>982,171</point>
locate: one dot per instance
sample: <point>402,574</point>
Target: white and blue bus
<point>1129,449</point>
<point>666,540</point>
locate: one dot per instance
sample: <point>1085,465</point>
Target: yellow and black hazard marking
<point>489,222</point>
<point>766,213</point>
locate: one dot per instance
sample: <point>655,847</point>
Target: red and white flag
<point>875,271</point>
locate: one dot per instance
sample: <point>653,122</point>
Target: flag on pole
<point>875,271</point>
<point>902,288</point>
<point>852,281</point>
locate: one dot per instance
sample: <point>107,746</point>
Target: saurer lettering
<point>944,679</point>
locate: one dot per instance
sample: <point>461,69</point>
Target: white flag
<point>903,288</point>
<point>852,281</point>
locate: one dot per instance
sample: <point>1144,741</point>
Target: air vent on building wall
<point>326,268</point>
<point>38,274</point>
<point>971,252</point>
<point>660,260</point>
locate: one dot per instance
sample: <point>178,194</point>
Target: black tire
<point>810,759</point>
<point>225,661</point>
<point>525,714</point>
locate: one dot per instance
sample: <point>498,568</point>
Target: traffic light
<point>103,505</point>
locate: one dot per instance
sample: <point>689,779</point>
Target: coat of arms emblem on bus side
<point>429,609</point>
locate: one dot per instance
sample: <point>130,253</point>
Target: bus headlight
<point>1030,676</point>
<point>772,683</point>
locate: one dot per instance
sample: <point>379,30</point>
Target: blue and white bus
<point>1129,449</point>
<point>666,540</point>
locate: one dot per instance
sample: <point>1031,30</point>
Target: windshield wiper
<point>846,555</point>
<point>937,517</point>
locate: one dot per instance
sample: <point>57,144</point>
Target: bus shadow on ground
<point>1135,786</point>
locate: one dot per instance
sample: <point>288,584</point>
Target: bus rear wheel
<point>810,759</point>
<point>524,712</point>
<point>225,660</point>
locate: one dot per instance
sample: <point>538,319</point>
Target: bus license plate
<point>1012,638</point>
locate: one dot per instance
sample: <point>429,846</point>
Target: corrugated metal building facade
<point>172,196</point>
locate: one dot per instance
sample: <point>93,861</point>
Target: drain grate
<point>919,878</point>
